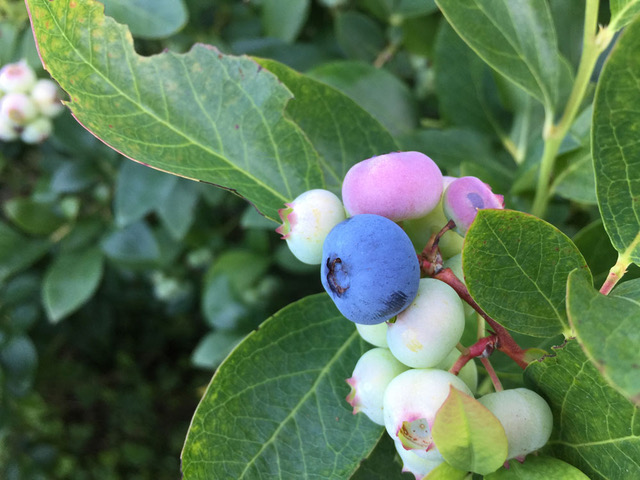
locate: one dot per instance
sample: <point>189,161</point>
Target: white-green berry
<point>307,221</point>
<point>8,130</point>
<point>37,131</point>
<point>525,416</point>
<point>374,334</point>
<point>18,108</point>
<point>46,96</point>
<point>17,77</point>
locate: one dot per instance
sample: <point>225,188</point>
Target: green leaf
<point>284,19</point>
<point>607,329</point>
<point>577,182</point>
<point>597,250</point>
<point>615,147</point>
<point>515,37</point>
<point>34,217</point>
<point>377,91</point>
<point>139,190</point>
<point>596,429</point>
<point>133,245</point>
<point>177,211</point>
<point>18,252</point>
<point>201,115</point>
<point>277,403</point>
<point>148,18</point>
<point>468,435</point>
<point>467,92</point>
<point>629,289</point>
<point>622,13</point>
<point>213,348</point>
<point>342,131</point>
<point>538,468</point>
<point>516,268</point>
<point>359,36</point>
<point>19,360</point>
<point>70,281</point>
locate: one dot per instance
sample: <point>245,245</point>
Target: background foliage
<point>122,287</point>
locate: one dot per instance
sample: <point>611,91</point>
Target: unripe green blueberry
<point>429,328</point>
<point>17,77</point>
<point>397,186</point>
<point>418,463</point>
<point>46,96</point>
<point>18,108</point>
<point>411,402</point>
<point>374,334</point>
<point>37,131</point>
<point>8,130</point>
<point>371,375</point>
<point>307,221</point>
<point>525,416</point>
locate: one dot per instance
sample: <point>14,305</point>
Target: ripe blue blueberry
<point>369,268</point>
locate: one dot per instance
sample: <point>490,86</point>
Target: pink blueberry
<point>398,186</point>
<point>464,197</point>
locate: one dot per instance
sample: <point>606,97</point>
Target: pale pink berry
<point>399,186</point>
<point>371,375</point>
<point>307,221</point>
<point>46,95</point>
<point>37,131</point>
<point>464,197</point>
<point>17,77</point>
<point>18,108</point>
<point>411,402</point>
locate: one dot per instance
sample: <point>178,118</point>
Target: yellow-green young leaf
<point>444,471</point>
<point>607,327</point>
<point>468,435</point>
<point>538,468</point>
<point>276,406</point>
<point>516,268</point>
<point>596,429</point>
<point>515,37</point>
<point>202,115</point>
<point>623,12</point>
<point>616,151</point>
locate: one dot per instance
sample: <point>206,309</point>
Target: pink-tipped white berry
<point>525,416</point>
<point>411,402</point>
<point>46,95</point>
<point>307,221</point>
<point>37,131</point>
<point>398,186</point>
<point>18,108</point>
<point>421,463</point>
<point>8,130</point>
<point>429,328</point>
<point>17,77</point>
<point>371,375</point>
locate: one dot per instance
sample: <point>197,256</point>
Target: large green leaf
<point>616,151</point>
<point>17,251</point>
<point>538,468</point>
<point>340,130</point>
<point>148,18</point>
<point>516,268</point>
<point>596,429</point>
<point>623,12</point>
<point>515,37</point>
<point>201,115</point>
<point>276,406</point>
<point>607,328</point>
<point>467,92</point>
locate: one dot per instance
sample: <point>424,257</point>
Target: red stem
<point>492,374</point>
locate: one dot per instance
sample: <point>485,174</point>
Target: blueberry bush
<point>486,155</point>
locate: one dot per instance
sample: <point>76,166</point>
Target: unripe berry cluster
<point>27,104</point>
<point>368,247</point>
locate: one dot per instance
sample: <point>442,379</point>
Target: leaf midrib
<point>155,117</point>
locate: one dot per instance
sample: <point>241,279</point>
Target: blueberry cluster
<point>27,104</point>
<point>367,246</point>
